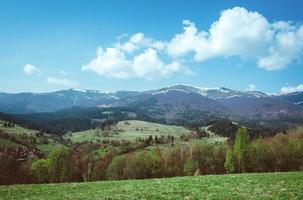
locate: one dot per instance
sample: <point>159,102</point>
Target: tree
<point>115,169</point>
<point>281,152</point>
<point>241,149</point>
<point>190,167</point>
<point>144,165</point>
<point>60,165</point>
<point>229,161</point>
<point>12,170</point>
<point>260,157</point>
<point>175,158</point>
<point>40,171</point>
<point>156,140</point>
<point>204,154</point>
<point>295,147</point>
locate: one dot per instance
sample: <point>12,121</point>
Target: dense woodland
<point>118,160</point>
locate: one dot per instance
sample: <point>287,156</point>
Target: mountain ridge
<point>171,102</point>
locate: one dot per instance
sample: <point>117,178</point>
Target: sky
<point>147,44</point>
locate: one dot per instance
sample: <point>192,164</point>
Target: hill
<point>294,97</point>
<point>17,136</point>
<point>233,186</point>
<point>128,130</point>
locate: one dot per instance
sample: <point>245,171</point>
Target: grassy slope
<point>213,138</point>
<point>18,131</point>
<point>132,131</point>
<point>241,186</point>
<point>9,143</point>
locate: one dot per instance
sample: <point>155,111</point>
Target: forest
<point>143,159</point>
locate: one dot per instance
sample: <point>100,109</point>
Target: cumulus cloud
<point>113,62</point>
<point>237,33</point>
<point>252,87</point>
<point>110,62</point>
<point>148,64</point>
<point>31,69</point>
<point>61,81</point>
<point>289,89</point>
<point>189,40</point>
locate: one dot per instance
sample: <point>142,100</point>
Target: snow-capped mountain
<point>212,93</point>
<point>293,97</point>
<point>170,102</point>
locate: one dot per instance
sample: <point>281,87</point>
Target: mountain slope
<point>176,102</point>
<point>293,97</point>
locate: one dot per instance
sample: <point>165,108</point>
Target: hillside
<point>128,130</point>
<point>17,136</point>
<point>234,186</point>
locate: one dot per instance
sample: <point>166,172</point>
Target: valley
<point>176,131</point>
<point>151,100</point>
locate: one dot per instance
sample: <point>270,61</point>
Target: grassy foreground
<point>239,186</point>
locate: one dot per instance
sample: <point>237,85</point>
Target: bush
<point>190,167</point>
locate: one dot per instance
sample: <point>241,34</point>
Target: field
<point>44,143</point>
<point>212,138</point>
<point>239,186</point>
<point>128,130</point>
<point>18,130</point>
<point>9,143</point>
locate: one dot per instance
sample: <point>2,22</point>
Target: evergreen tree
<point>156,140</point>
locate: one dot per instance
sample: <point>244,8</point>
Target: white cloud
<point>289,89</point>
<point>189,40</point>
<point>238,32</point>
<point>149,65</point>
<point>31,69</point>
<point>138,41</point>
<point>61,81</point>
<point>252,87</point>
<point>112,62</point>
<point>286,48</point>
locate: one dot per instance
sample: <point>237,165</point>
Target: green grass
<point>284,186</point>
<point>8,143</point>
<point>18,132</point>
<point>212,138</point>
<point>17,129</point>
<point>132,131</point>
<point>48,148</point>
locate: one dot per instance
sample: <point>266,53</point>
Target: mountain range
<point>171,103</point>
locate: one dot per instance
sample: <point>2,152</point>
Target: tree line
<point>87,162</point>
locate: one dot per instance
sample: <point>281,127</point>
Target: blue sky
<point>139,45</point>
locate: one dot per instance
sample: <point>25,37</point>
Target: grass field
<point>212,138</point>
<point>284,186</point>
<point>18,132</point>
<point>9,143</point>
<point>131,130</point>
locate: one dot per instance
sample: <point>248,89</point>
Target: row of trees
<point>8,124</point>
<point>283,152</point>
